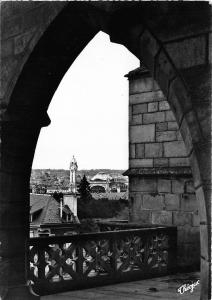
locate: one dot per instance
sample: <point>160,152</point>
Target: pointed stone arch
<point>39,44</point>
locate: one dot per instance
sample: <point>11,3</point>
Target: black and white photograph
<point>105,150</point>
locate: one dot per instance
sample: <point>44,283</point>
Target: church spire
<point>73,170</point>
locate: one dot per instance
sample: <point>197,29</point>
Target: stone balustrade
<point>64,263</point>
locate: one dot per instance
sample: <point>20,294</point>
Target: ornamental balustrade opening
<point>64,263</point>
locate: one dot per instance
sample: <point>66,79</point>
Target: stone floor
<point>164,288</point>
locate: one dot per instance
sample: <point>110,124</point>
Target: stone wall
<point>154,138</point>
<point>160,182</point>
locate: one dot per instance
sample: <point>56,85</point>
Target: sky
<point>89,111</point>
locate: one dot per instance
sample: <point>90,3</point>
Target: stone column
<point>161,186</point>
<point>198,79</point>
<point>18,141</point>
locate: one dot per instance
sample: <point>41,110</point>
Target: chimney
<point>61,207</point>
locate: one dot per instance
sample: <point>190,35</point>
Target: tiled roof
<point>38,201</point>
<point>49,209</point>
<point>52,212</point>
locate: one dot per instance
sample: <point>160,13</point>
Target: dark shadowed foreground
<point>164,288</point>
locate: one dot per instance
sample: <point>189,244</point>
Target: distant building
<point>49,216</point>
<point>111,196</point>
<point>70,198</point>
<point>107,183</point>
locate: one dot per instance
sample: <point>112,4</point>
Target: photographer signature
<point>187,287</point>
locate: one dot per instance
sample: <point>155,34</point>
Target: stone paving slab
<point>162,288</point>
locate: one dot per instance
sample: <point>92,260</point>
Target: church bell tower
<point>70,198</point>
<point>73,170</point>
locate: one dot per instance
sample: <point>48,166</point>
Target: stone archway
<point>157,34</point>
<point>41,63</point>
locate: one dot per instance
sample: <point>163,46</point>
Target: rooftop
<point>48,207</point>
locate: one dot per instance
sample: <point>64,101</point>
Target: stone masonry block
<point>163,71</point>
<point>193,50</point>
<point>179,162</point>
<point>189,187</point>
<point>139,109</point>
<point>165,136</point>
<point>204,205</point>
<point>153,150</point>
<point>205,275</point>
<point>132,150</point>
<point>154,117</point>
<point>130,114</point>
<point>12,27</point>
<point>142,133</point>
<point>149,46</point>
<point>185,130</point>
<point>146,97</point>
<point>153,202</point>
<point>195,219</point>
<point>177,91</point>
<point>189,255</point>
<point>161,162</point>
<point>179,136</point>
<point>144,216</point>
<point>178,186</point>
<point>164,105</point>
<point>182,218</point>
<point>133,215</point>
<point>164,186</point>
<point>161,126</point>
<point>136,119</point>
<point>139,150</point>
<point>172,202</point>
<point>173,126</point>
<point>147,84</point>
<point>162,217</point>
<point>7,49</point>
<point>135,98</point>
<point>138,184</point>
<point>174,149</point>
<point>136,201</point>
<point>152,107</point>
<point>189,202</point>
<point>21,41</point>
<point>205,235</point>
<point>170,116</point>
<point>188,234</point>
<point>136,163</point>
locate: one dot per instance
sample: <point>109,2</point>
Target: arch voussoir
<point>149,49</point>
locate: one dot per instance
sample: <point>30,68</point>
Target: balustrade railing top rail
<point>63,263</point>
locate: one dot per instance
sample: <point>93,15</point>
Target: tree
<point>57,196</point>
<point>84,190</point>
